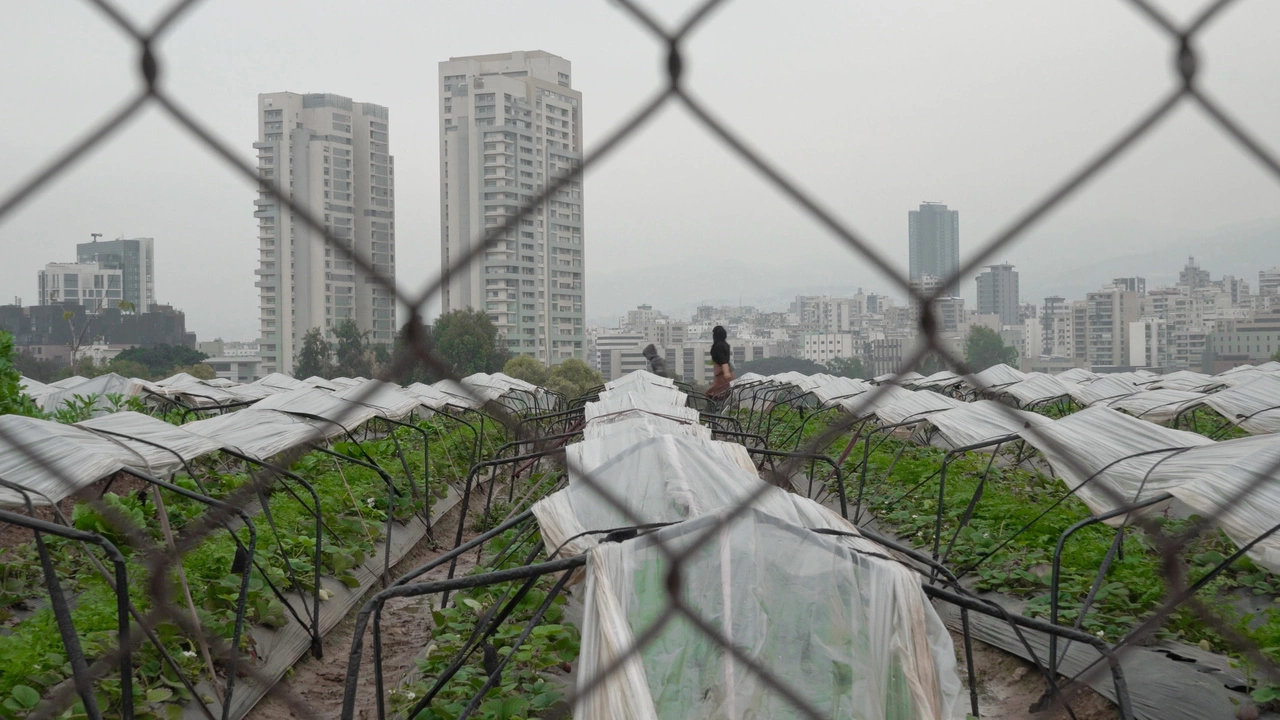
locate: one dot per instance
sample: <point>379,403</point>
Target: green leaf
<point>156,695</point>
<point>27,696</point>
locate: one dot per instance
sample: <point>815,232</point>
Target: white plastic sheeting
<point>1254,405</point>
<point>1114,449</point>
<point>906,378</point>
<point>1181,380</point>
<point>388,401</point>
<point>851,634</point>
<point>864,405</point>
<point>1220,479</point>
<point>257,433</point>
<point>639,376</point>
<point>994,377</point>
<point>1108,387</point>
<point>432,398</point>
<point>471,397</point>
<point>99,387</point>
<point>157,461</point>
<point>645,424</point>
<point>940,379</point>
<point>977,422</point>
<point>321,404</point>
<point>34,388</point>
<point>1157,406</point>
<point>636,400</point>
<point>1037,388</point>
<point>839,387</point>
<point>657,393</point>
<point>75,459</point>
<point>914,406</point>
<point>1075,376</point>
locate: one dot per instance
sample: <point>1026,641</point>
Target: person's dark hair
<point>718,333</point>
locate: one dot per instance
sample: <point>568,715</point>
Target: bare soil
<point>1009,687</point>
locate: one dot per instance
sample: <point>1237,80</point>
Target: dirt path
<point>406,630</point>
<point>1008,687</point>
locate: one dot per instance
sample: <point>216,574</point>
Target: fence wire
<point>669,41</point>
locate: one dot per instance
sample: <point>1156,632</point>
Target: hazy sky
<point>871,106</point>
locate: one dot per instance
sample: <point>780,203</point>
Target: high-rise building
<point>998,293</point>
<point>1110,312</point>
<point>134,258</point>
<point>934,237</point>
<point>331,157</point>
<point>510,127</point>
<point>88,284</point>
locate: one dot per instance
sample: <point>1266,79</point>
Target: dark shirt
<point>720,353</point>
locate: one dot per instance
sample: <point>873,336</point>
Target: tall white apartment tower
<point>510,125</point>
<point>331,157</point>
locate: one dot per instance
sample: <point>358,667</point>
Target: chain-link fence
<point>162,610</point>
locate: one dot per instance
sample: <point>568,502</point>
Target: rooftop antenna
<point>95,236</point>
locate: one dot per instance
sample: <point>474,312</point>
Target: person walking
<point>721,355</point>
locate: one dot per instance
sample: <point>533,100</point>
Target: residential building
<point>510,129</point>
<point>134,258</point>
<point>1131,284</point>
<point>948,311</point>
<point>1079,335</point>
<point>331,158</point>
<point>934,242</point>
<point>1269,282</point>
<point>1055,324</point>
<point>691,361</point>
<point>1110,310</point>
<point>87,284</point>
<point>620,353</point>
<point>1253,341</point>
<point>1149,343</point>
<point>998,293</point>
<point>45,332</point>
<point>1192,276</point>
<point>237,368</point>
<point>824,347</point>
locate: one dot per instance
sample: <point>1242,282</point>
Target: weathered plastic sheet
<point>257,433</point>
<point>1254,406</point>
<point>657,393</point>
<point>1075,376</point>
<point>914,406</point>
<point>68,382</point>
<point>200,394</point>
<point>101,386</point>
<point>181,378</point>
<point>940,379</point>
<point>319,382</point>
<point>1114,449</point>
<point>995,377</point>
<point>905,378</point>
<point>1157,406</point>
<point>35,389</point>
<point>1037,388</point>
<point>850,633</point>
<point>469,396</point>
<point>319,403</point>
<point>637,400</point>
<point>648,425</point>
<point>639,376</point>
<point>864,405</point>
<point>1243,377</point>
<point>77,458</point>
<point>748,379</point>
<point>387,400</point>
<point>1221,480</point>
<point>1181,380</point>
<point>977,422</point>
<point>839,387</point>
<point>280,381</point>
<point>157,461</point>
<point>432,398</point>
<point>1107,387</point>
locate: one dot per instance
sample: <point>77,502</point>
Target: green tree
<point>130,369</point>
<point>846,367</point>
<point>13,401</point>
<point>198,370</point>
<point>468,342</point>
<point>45,371</point>
<point>985,348</point>
<point>525,367</point>
<point>353,355</point>
<point>573,377</point>
<point>408,355</point>
<point>775,365</point>
<point>1276,356</point>
<point>162,360</point>
<point>313,356</point>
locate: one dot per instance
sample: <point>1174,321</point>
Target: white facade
<point>619,354</point>
<point>1149,342</point>
<point>510,126</point>
<point>331,156</point>
<point>824,347</point>
<point>134,258</point>
<point>239,368</point>
<point>85,284</point>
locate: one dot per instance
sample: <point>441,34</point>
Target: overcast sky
<point>872,107</point>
